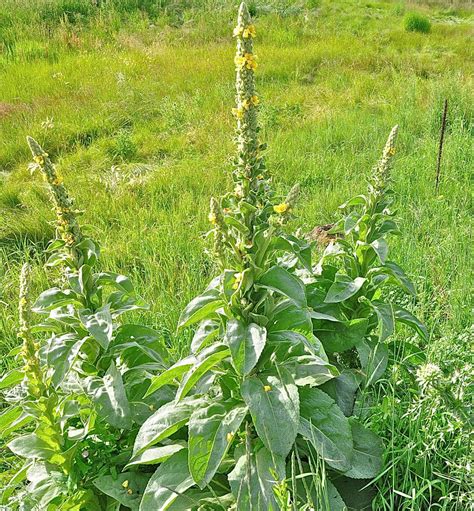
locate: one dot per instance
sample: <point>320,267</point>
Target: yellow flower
<point>57,181</point>
<point>238,112</point>
<point>239,61</point>
<point>238,280</point>
<point>249,32</point>
<point>129,491</point>
<point>250,62</point>
<point>280,208</point>
<point>267,388</point>
<point>39,159</point>
<point>255,100</point>
<point>246,104</point>
<point>230,436</point>
<point>238,31</point>
<point>391,151</point>
<point>212,218</point>
<point>23,301</point>
<point>125,483</point>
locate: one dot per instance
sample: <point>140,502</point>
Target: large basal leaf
<point>343,288</point>
<point>325,426</point>
<point>99,324</point>
<point>368,450</point>
<point>273,402</point>
<point>206,360</point>
<point>201,307</point>
<point>109,394</point>
<point>171,479</point>
<point>339,337</point>
<point>373,357</point>
<point>246,343</point>
<point>211,430</point>
<point>254,477</point>
<point>285,283</point>
<point>164,422</point>
<point>126,488</point>
<point>61,353</point>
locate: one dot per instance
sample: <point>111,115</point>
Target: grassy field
<point>135,106</point>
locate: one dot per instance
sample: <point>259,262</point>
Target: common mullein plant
<point>80,393</point>
<point>353,315</point>
<point>249,427</point>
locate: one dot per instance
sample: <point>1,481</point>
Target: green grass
<point>134,105</point>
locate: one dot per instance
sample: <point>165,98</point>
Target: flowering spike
<point>33,374</point>
<point>293,195</point>
<point>381,173</point>
<point>250,165</point>
<point>68,227</point>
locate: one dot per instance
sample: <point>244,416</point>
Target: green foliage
<point>416,22</point>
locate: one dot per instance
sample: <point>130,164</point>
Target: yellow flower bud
<point>125,483</point>
<point>249,32</point>
<point>238,280</point>
<point>255,100</point>
<point>267,388</point>
<point>230,436</point>
<point>239,61</point>
<point>129,491</point>
<point>212,218</point>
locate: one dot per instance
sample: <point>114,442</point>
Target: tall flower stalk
<point>67,226</point>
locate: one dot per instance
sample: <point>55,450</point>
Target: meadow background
<point>133,98</point>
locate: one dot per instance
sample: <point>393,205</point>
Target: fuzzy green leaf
<point>274,405</point>
<point>246,343</point>
<point>171,479</point>
<point>343,288</point>
<point>166,377</point>
<point>206,360</point>
<point>201,308</point>
<point>164,422</point>
<point>109,394</point>
<point>155,455</point>
<point>99,324</point>
<point>253,479</point>
<point>366,461</point>
<point>325,426</point>
<point>211,430</point>
<point>126,488</point>
<point>284,283</point>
